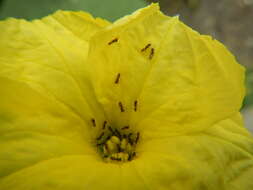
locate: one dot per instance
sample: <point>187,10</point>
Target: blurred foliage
<point>249,85</point>
<point>1,1</point>
<point>192,3</point>
<point>31,9</point>
<point>175,5</point>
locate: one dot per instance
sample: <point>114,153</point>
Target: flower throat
<point>117,145</point>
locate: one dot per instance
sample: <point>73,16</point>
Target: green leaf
<point>31,9</point>
<point>249,86</point>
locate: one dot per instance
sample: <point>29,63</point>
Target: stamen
<point>146,47</point>
<point>137,138</point>
<point>113,158</point>
<point>131,156</point>
<point>112,147</point>
<point>118,133</point>
<point>115,140</point>
<point>102,134</point>
<point>151,53</point>
<point>119,149</point>
<point>135,105</point>
<point>104,125</point>
<point>121,107</point>
<point>117,79</point>
<point>110,129</point>
<point>123,144</point>
<point>129,138</point>
<point>129,135</point>
<point>124,128</point>
<point>113,41</point>
<point>128,147</point>
<point>106,147</point>
<point>93,122</point>
<point>117,146</point>
<point>107,138</point>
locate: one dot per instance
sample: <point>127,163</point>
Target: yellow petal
<point>81,24</point>
<point>184,162</point>
<point>179,84</point>
<point>65,173</point>
<point>33,129</point>
<point>183,81</point>
<point>215,159</point>
<point>51,58</point>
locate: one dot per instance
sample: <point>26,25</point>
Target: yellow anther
<point>120,155</point>
<point>126,156</point>
<point>115,155</point>
<point>115,140</point>
<point>123,144</point>
<point>117,147</point>
<point>129,147</point>
<point>123,156</point>
<point>112,147</point>
<point>105,151</point>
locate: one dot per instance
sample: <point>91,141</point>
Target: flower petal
<point>81,24</point>
<point>70,172</point>
<point>200,161</point>
<point>33,128</point>
<point>51,58</point>
<point>215,159</point>
<point>183,81</point>
<point>65,173</point>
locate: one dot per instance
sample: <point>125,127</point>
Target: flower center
<point>117,145</point>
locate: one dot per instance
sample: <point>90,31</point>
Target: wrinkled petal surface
<point>189,82</point>
<point>33,128</point>
<point>49,55</point>
<point>181,90</point>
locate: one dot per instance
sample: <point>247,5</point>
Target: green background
<point>30,9</point>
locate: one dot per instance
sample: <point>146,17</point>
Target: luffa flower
<point>143,103</point>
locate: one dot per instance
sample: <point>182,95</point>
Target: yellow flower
<point>142,103</point>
